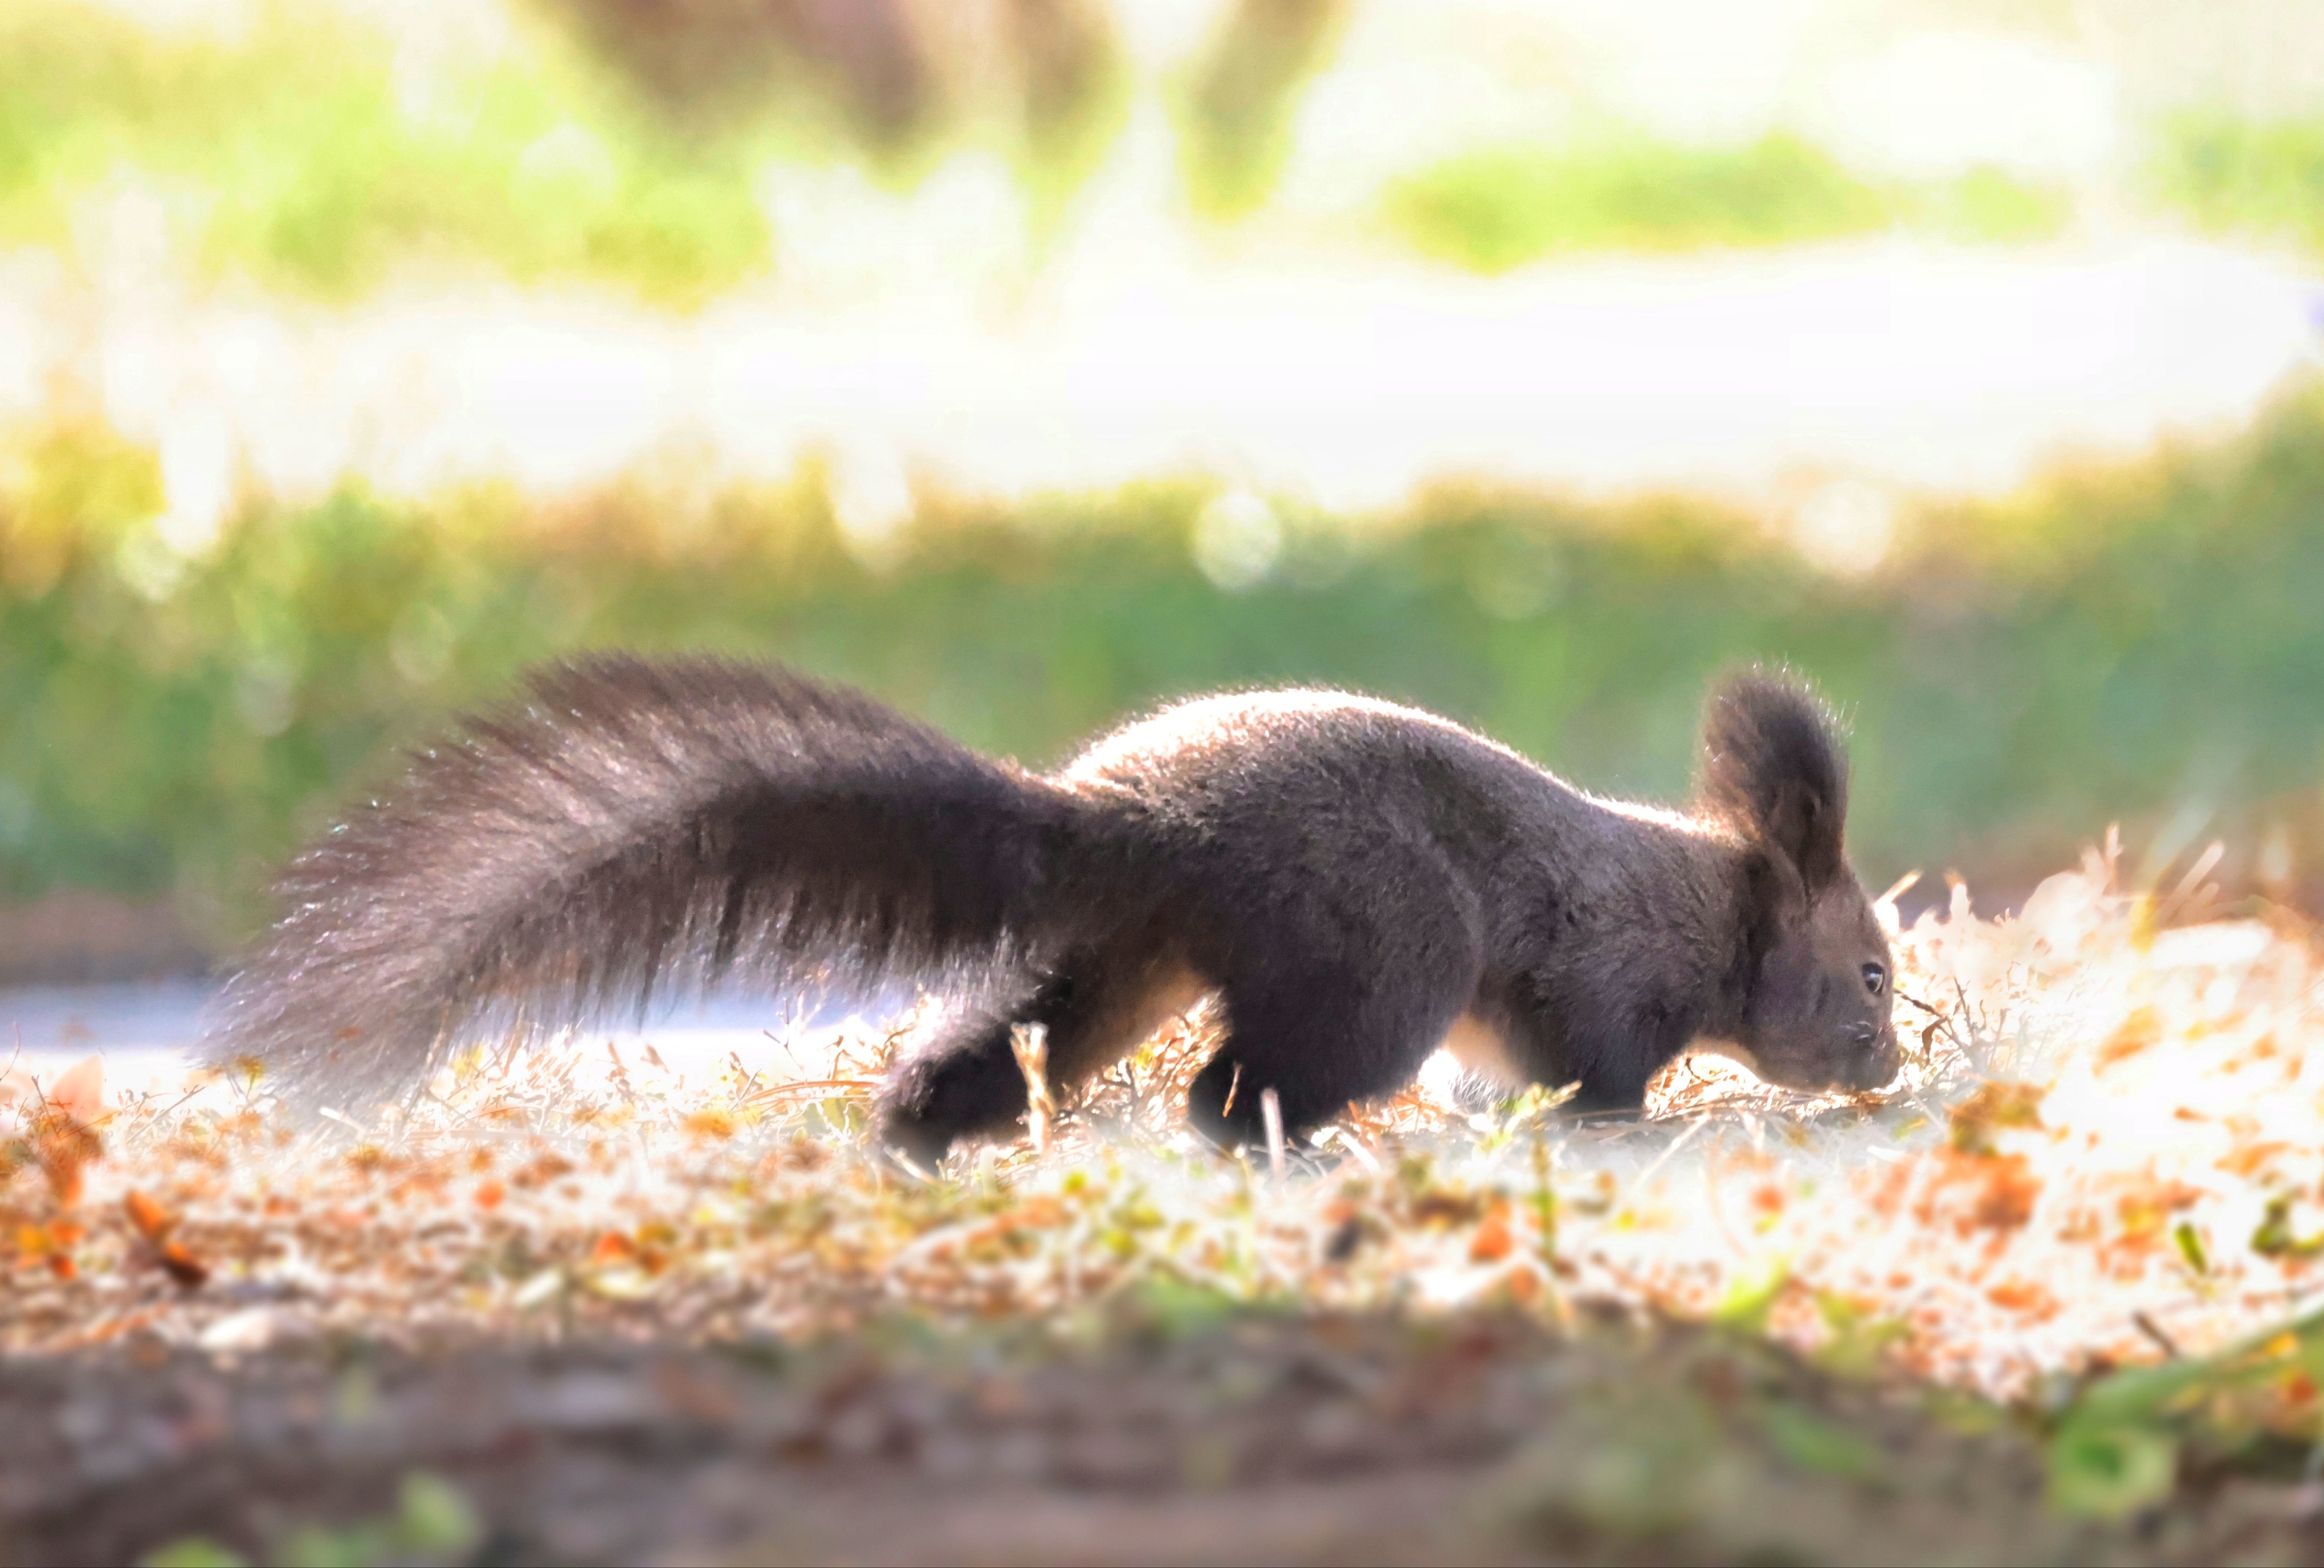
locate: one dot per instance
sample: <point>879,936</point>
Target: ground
<point>1265,1438</point>
<point>2038,1302</point>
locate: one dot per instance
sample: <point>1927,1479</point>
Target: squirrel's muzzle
<point>1876,1060</point>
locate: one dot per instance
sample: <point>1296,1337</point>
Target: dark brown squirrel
<point>1357,882</point>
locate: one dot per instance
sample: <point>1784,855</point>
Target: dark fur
<point>1350,878</point>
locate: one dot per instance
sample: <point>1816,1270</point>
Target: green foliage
<point>1171,1308</point>
<point>1857,1344</point>
<point>2273,1237</point>
<point>1751,1300</point>
<point>432,1523</point>
<point>2116,644</point>
<point>1990,206</point>
<point>2126,1439</point>
<point>302,151</point>
<point>1814,1443</point>
<point>2234,175</point>
<point>1724,1450</point>
<point>1500,207</point>
<point>193,1552</point>
<point>299,154</point>
<point>1235,120</point>
<point>2190,1242</point>
<point>1494,209</point>
<point>2107,1473</point>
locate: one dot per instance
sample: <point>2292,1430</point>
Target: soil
<point>1486,1439</point>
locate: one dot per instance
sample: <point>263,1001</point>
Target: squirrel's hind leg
<point>961,1080</point>
<point>957,1078</point>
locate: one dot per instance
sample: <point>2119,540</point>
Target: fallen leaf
<point>1491,1243</point>
<point>179,1263</point>
<point>153,1222</point>
<point>79,1092</point>
<point>1994,1105</point>
<point>2025,1297</point>
<point>711,1124</point>
<point>2141,1030</point>
<point>65,1147</point>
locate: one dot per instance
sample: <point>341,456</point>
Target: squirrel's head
<point>1816,969</point>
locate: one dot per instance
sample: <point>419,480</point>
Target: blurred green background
<point>186,686</point>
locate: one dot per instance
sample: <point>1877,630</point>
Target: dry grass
<point>2103,1148</point>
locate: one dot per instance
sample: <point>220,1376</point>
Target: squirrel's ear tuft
<point>1773,766</point>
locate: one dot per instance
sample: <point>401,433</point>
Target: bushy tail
<point>633,825</point>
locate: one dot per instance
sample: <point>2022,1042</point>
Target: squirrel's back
<point>1303,766</point>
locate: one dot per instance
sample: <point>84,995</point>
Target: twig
<point>2180,895</point>
<point>1030,1042</point>
<point>2153,1331</point>
<point>796,1085</point>
<point>1354,1146</point>
<point>784,1045</point>
<point>1675,1144</point>
<point>745,1077</point>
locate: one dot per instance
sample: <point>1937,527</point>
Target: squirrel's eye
<point>1876,978</point>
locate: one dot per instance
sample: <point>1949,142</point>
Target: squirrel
<point>1356,881</point>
